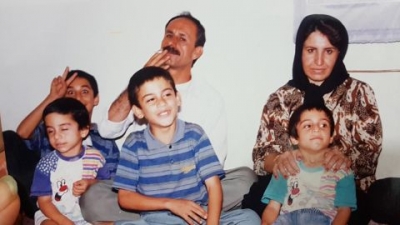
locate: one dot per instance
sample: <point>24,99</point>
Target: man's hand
<point>285,163</point>
<point>159,59</point>
<point>335,160</point>
<point>187,210</point>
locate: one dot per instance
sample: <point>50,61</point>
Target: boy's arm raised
<point>214,189</point>
<point>58,89</point>
<point>185,209</point>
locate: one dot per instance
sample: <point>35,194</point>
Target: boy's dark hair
<point>90,78</point>
<point>295,118</point>
<point>144,75</point>
<point>70,106</point>
<point>201,32</point>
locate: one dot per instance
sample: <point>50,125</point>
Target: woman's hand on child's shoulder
<point>285,163</point>
<point>335,160</point>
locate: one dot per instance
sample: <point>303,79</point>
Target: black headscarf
<point>338,37</point>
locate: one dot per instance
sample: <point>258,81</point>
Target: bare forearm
<point>270,213</point>
<point>215,200</point>
<point>135,201</point>
<point>120,108</point>
<point>342,216</point>
<point>31,121</point>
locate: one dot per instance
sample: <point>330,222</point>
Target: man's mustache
<point>172,50</point>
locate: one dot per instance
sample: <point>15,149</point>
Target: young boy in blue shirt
<point>169,172</point>
<point>314,195</point>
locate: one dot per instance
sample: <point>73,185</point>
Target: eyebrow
<point>164,90</point>
<point>84,86</point>
<point>306,120</point>
<point>60,125</point>
<point>311,46</point>
<point>179,33</point>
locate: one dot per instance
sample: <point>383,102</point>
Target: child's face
<point>81,90</point>
<point>313,131</point>
<point>64,133</point>
<point>159,103</point>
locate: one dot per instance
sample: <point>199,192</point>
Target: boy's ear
<point>96,100</point>
<point>138,112</point>
<point>198,51</point>
<point>294,141</point>
<point>178,98</point>
<point>84,132</point>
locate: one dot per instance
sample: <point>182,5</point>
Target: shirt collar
<point>153,142</point>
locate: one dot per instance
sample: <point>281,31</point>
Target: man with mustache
<point>181,46</point>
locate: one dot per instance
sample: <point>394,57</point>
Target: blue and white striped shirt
<point>176,170</point>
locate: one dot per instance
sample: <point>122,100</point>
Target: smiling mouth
<point>164,113</point>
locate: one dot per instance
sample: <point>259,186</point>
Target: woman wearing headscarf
<point>320,76</point>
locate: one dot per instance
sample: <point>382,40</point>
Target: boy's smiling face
<point>159,103</point>
<point>64,134</point>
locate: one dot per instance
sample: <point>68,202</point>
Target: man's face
<point>81,90</point>
<point>180,39</point>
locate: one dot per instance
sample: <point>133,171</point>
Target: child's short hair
<point>70,106</point>
<point>90,78</point>
<point>144,75</point>
<point>295,118</point>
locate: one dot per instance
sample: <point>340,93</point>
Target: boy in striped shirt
<point>169,171</point>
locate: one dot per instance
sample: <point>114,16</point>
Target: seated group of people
<point>320,138</point>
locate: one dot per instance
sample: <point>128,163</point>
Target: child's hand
<point>80,187</point>
<point>187,210</point>
<point>59,85</point>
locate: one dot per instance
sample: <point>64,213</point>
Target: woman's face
<point>318,57</point>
